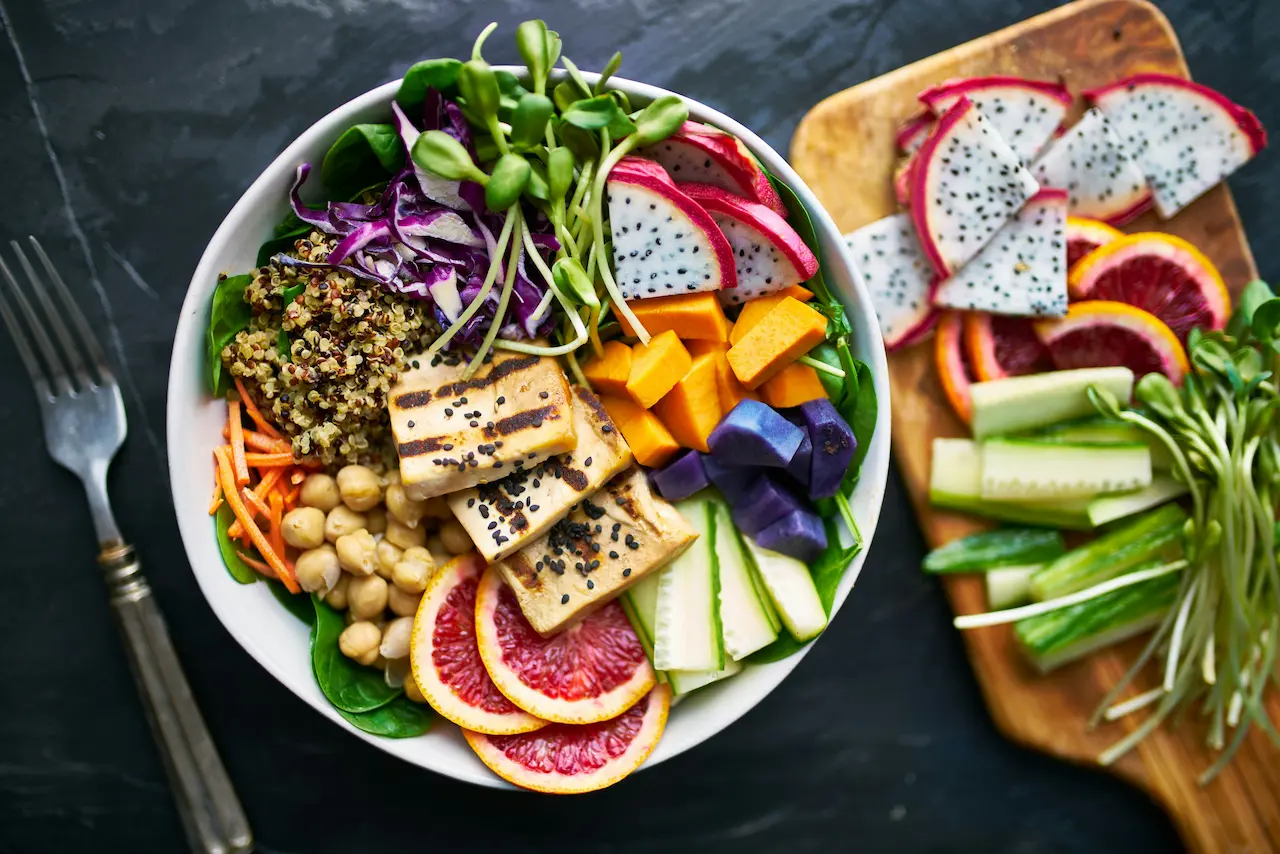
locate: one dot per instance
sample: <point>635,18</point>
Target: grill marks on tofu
<point>453,434</point>
<point>503,516</point>
<point>605,544</point>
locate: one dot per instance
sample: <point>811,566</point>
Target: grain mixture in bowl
<point>322,351</point>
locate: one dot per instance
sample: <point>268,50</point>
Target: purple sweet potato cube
<point>754,434</point>
<point>682,477</point>
<point>731,480</point>
<point>763,503</point>
<point>799,534</point>
<point>833,447</point>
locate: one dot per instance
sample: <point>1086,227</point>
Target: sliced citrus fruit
<point>999,347</point>
<point>1085,235</point>
<point>446,661</point>
<point>1158,273</point>
<point>1101,333</point>
<point>592,671</point>
<point>569,760</point>
<point>954,370</point>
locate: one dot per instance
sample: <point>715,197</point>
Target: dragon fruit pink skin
<point>1025,113</point>
<point>1091,164</point>
<point>767,253</point>
<point>899,277</point>
<point>1185,137</point>
<point>664,243</point>
<point>965,184</point>
<point>708,155</point>
<point>914,131</point>
<point>1023,270</point>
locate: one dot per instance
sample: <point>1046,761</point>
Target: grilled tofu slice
<point>607,543</point>
<point>503,516</point>
<point>452,433</point>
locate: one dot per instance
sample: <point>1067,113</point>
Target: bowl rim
<point>276,177</point>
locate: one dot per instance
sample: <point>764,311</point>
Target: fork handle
<point>211,813</point>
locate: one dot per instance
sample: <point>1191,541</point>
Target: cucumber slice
<point>687,616</point>
<point>745,623</point>
<point>955,483</point>
<point>1022,469</point>
<point>1108,508</point>
<point>684,681</point>
<point>1103,431</point>
<point>640,602</point>
<point>1018,404</point>
<point>1009,586</point>
<point>991,549</point>
<point>791,587</point>
<point>1153,535</point>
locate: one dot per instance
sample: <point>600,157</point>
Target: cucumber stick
<point>791,587</point>
<point>687,614</point>
<point>1018,404</point>
<point>640,602</point>
<point>955,483</point>
<point>1104,431</point>
<point>1108,508</point>
<point>684,681</point>
<point>1008,586</point>
<point>1025,469</point>
<point>990,549</point>
<point>746,619</point>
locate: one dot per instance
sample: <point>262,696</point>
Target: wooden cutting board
<point>844,150</point>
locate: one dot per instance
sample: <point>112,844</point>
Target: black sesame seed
<point>484,511</point>
<point>448,446</point>
<point>411,425</point>
<point>586,463</point>
<point>606,429</point>
<point>591,585</point>
<point>544,394</point>
<point>471,502</point>
<point>613,555</point>
<point>501,400</point>
<point>626,572</point>
<point>474,423</point>
<point>448,412</point>
<point>462,400</point>
<point>564,600</point>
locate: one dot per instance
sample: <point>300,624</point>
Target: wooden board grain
<point>844,150</point>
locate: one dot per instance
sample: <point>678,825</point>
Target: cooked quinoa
<point>348,341</point>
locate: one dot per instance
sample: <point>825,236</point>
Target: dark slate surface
<point>129,128</point>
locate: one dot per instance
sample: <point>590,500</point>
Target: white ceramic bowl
<point>277,639</point>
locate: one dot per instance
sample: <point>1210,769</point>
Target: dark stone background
<point>128,134</point>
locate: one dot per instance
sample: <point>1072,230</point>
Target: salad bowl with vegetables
<point>544,415</point>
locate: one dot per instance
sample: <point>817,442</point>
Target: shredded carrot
<point>256,564</point>
<point>213,510</point>
<point>238,461</point>
<point>255,441</point>
<point>297,477</point>
<point>257,504</point>
<point>255,415</point>
<point>269,480</point>
<point>216,501</point>
<point>263,461</point>
<point>260,542</point>
<point>291,500</point>
<point>276,516</point>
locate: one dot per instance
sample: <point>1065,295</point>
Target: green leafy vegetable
<point>298,604</point>
<point>363,155</point>
<point>236,568</point>
<point>401,718</point>
<point>228,314</point>
<point>349,686</point>
<point>438,74</point>
<point>599,113</point>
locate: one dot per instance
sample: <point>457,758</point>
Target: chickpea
<point>401,535</point>
<point>402,507</point>
<point>411,689</point>
<point>389,555</point>
<point>395,640</point>
<point>358,552</point>
<point>336,598</point>
<point>439,554</point>
<point>402,604</point>
<point>360,641</point>
<point>303,527</point>
<point>342,521</point>
<point>376,521</point>
<point>360,488</point>
<point>393,476</point>
<point>414,569</point>
<point>367,596</point>
<point>317,569</point>
<point>320,491</point>
<point>438,508</point>
<point>455,537</point>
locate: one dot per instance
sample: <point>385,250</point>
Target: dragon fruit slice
<point>1023,270</point>
<point>1185,137</point>
<point>664,243</point>
<point>965,184</point>
<point>708,155</point>
<point>767,253</point>
<point>899,276</point>
<point>1025,113</point>
<point>1092,165</point>
<point>914,131</point>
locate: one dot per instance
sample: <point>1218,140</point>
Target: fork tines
<point>70,363</point>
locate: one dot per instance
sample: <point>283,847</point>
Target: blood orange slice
<point>1085,235</point>
<point>569,760</point>
<point>999,347</point>
<point>952,363</point>
<point>1158,273</point>
<point>446,661</point>
<point>591,671</point>
<point>1101,333</point>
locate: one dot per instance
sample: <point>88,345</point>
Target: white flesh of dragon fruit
<point>966,183</point>
<point>1023,271</point>
<point>898,275</point>
<point>1089,162</point>
<point>1026,113</point>
<point>1185,137</point>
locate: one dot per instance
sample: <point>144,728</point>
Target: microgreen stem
<point>495,263</point>
<point>819,365</point>
<point>504,298</point>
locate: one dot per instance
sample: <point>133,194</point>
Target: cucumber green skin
<point>710,509</point>
<point>1103,431</point>
<point>642,632</point>
<point>1156,534</point>
<point>1019,404</point>
<point>1069,515</point>
<point>991,549</point>
<point>1109,508</point>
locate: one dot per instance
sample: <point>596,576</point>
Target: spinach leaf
<point>438,74</point>
<point>834,386</point>
<point>863,421</point>
<point>349,686</point>
<point>400,718</point>
<point>228,314</point>
<point>298,604</point>
<point>826,302</point>
<point>237,568</point>
<point>282,243</point>
<point>362,155</point>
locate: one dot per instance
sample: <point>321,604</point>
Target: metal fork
<point>84,426</point>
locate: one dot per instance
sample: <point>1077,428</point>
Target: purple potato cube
<point>833,447</point>
<point>682,477</point>
<point>754,434</point>
<point>764,502</point>
<point>798,468</point>
<point>731,480</point>
<point>799,534</point>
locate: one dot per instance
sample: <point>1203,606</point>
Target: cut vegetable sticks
<point>261,442</point>
<point>262,461</point>
<point>260,542</point>
<point>236,431</point>
<point>255,415</point>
